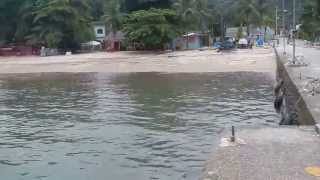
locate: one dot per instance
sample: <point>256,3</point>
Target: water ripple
<point>136,126</point>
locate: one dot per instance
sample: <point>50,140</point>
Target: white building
<point>99,30</point>
<point>110,41</point>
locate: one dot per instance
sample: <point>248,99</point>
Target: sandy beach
<point>256,60</point>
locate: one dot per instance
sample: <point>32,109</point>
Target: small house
<point>99,30</point>
<point>110,41</point>
<point>191,41</point>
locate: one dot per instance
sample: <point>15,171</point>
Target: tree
<point>311,20</point>
<point>203,14</point>
<point>24,23</point>
<point>194,14</point>
<point>61,23</point>
<point>254,12</point>
<point>9,19</point>
<point>97,9</point>
<point>185,9</point>
<point>113,15</point>
<point>246,11</point>
<point>153,28</point>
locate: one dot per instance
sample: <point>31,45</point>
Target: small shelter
<point>191,41</point>
<point>113,41</point>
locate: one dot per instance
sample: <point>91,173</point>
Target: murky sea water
<point>137,126</point>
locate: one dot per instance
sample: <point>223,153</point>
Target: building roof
<point>195,34</point>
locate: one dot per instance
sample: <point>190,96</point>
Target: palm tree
<point>10,17</point>
<point>113,15</point>
<point>263,12</point>
<point>186,10</point>
<point>311,20</point>
<point>193,13</point>
<point>63,23</point>
<point>24,23</point>
<point>246,12</point>
<point>267,21</point>
<point>224,12</point>
<point>254,12</point>
<point>203,13</point>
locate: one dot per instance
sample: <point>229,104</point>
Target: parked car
<point>243,43</point>
<point>227,45</point>
<point>217,45</point>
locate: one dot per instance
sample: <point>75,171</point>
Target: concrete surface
<point>257,60</point>
<point>303,76</point>
<point>268,154</point>
<point>280,153</point>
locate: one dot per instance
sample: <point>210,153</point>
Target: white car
<point>243,43</point>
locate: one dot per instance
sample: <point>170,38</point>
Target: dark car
<point>226,45</point>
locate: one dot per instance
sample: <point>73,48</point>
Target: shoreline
<point>194,61</point>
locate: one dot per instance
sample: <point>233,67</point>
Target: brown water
<point>137,126</point>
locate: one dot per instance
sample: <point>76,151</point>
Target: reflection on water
<point>136,126</point>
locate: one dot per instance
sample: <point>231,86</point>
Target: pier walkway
<point>277,153</point>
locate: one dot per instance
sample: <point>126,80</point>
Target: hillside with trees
<point>67,23</point>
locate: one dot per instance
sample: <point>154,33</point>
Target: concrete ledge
<point>295,101</point>
<point>268,153</point>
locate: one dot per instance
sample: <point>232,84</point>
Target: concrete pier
<point>305,79</point>
<point>284,152</point>
<point>267,153</point>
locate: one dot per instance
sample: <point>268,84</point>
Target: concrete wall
<point>294,110</point>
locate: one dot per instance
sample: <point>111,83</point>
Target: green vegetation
<point>152,28</point>
<point>113,15</point>
<point>311,20</point>
<point>61,23</point>
<point>53,23</point>
<point>153,23</point>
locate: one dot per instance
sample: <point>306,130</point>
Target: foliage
<point>66,23</point>
<point>61,23</point>
<point>113,15</point>
<point>24,23</point>
<point>254,12</point>
<point>9,19</point>
<point>240,33</point>
<point>194,14</point>
<point>54,23</point>
<point>153,28</point>
<point>311,20</point>
<point>97,9</point>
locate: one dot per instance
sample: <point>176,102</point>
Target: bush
<point>153,28</point>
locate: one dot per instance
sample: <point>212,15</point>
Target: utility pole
<point>294,33</point>
<point>222,27</point>
<point>276,21</point>
<point>283,27</point>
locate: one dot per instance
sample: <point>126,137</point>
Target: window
<point>99,31</point>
